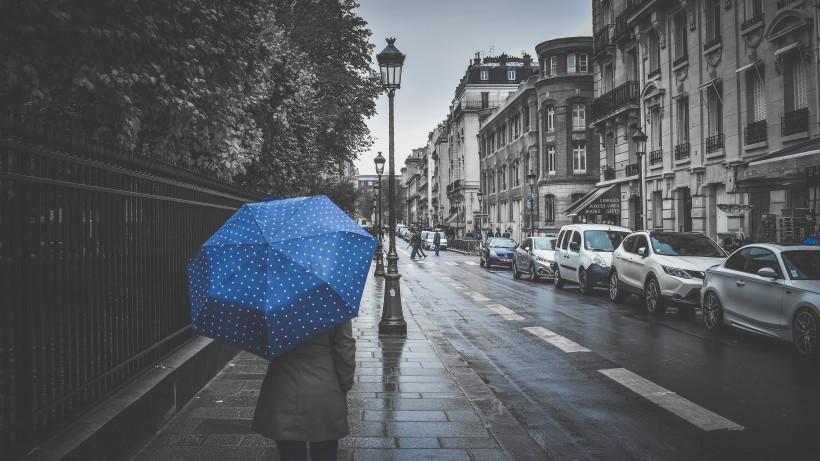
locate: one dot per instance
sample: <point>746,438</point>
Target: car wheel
<point>712,312</point>
<point>557,280</point>
<point>583,282</point>
<point>804,332</point>
<point>654,303</point>
<point>615,295</point>
<point>515,272</point>
<point>533,274</point>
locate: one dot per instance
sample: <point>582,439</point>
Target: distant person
<point>497,232</point>
<point>477,235</point>
<point>506,233</point>
<point>437,242</point>
<point>302,402</point>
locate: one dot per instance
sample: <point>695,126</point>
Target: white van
<point>583,254</point>
<point>427,239</point>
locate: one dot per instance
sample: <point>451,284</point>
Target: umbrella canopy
<point>278,273</point>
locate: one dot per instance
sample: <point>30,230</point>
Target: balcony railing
<point>603,38</point>
<point>796,121</point>
<point>621,96</point>
<point>749,23</point>
<point>634,5</point>
<point>754,132</point>
<point>682,151</point>
<point>711,43</point>
<point>714,143</point>
<point>680,60</point>
<point>783,3</point>
<point>621,29</point>
<point>654,73</point>
<point>633,169</point>
<point>656,157</point>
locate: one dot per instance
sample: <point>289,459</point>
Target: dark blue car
<point>497,251</point>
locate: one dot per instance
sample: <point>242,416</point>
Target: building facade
<point>485,85</point>
<point>542,128</point>
<point>726,92</point>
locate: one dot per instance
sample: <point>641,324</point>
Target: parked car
<point>769,289</point>
<point>534,256</point>
<point>403,232</point>
<point>427,240</point>
<point>664,267</point>
<point>584,254</point>
<point>497,251</point>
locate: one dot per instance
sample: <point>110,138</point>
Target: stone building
<point>440,174</point>
<point>485,85</point>
<point>726,92</point>
<point>542,128</point>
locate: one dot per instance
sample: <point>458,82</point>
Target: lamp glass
<point>379,161</point>
<point>639,138</point>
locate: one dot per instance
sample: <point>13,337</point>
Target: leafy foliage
<point>266,93</point>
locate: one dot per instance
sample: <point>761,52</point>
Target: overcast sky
<point>439,39</point>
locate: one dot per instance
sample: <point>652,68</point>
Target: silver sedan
<point>769,289</point>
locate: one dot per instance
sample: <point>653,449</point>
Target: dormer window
<point>485,75</point>
<point>511,75</point>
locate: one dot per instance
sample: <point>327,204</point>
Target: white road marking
<point>508,314</point>
<point>670,401</point>
<point>458,286</point>
<point>477,296</point>
<point>452,263</point>
<point>446,279</point>
<point>557,340</point>
<point>471,263</point>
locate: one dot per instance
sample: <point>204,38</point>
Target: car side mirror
<point>574,246</point>
<point>642,252</point>
<point>768,272</point>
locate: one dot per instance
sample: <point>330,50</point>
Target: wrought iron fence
<point>624,95</point>
<point>682,151</point>
<point>755,132</point>
<point>633,169</point>
<point>93,250</point>
<point>656,157</point>
<point>793,122</point>
<point>469,247</point>
<point>714,143</point>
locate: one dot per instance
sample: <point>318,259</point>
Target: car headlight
<point>542,259</point>
<point>493,254</point>
<point>682,273</point>
<point>598,260</point>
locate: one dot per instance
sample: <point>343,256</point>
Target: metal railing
<point>633,169</point>
<point>755,132</point>
<point>682,151</point>
<point>750,22</point>
<point>603,38</point>
<point>469,247</point>
<point>796,121</point>
<point>712,43</point>
<point>94,244</point>
<point>680,60</point>
<point>624,95</point>
<point>656,157</point>
<point>714,143</point>
<point>654,73</point>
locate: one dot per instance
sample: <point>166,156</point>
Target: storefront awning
<point>601,200</point>
<point>783,165</point>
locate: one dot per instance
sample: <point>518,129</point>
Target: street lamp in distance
<point>391,62</point>
<point>480,212</point>
<point>379,161</point>
<point>531,181</point>
<point>639,138</point>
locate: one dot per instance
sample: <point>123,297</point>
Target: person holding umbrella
<point>268,281</point>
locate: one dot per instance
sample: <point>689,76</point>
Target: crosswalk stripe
<point>556,340</point>
<point>471,263</point>
<point>452,263</point>
<point>477,296</point>
<point>670,401</point>
<point>504,312</point>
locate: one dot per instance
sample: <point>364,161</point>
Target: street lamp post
<point>480,212</point>
<point>531,181</point>
<point>640,149</point>
<point>379,161</point>
<point>390,63</point>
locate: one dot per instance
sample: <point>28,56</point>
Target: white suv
<point>664,267</point>
<point>583,254</point>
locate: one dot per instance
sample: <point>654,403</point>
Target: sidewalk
<point>414,398</point>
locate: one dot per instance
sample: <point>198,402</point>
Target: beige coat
<point>303,395</point>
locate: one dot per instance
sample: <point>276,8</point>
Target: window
<point>683,120</point>
<point>715,107</point>
<point>526,118</point>
<point>485,75</point>
<point>656,129</point>
<point>654,47</point>
<point>550,118</point>
<point>583,63</point>
<point>576,239</point>
<point>760,258</point>
<point>629,243</point>
<point>712,19</point>
<point>485,99</point>
<point>511,75</point>
<point>551,159</point>
<point>579,157</point>
<point>609,150</point>
<point>608,82</point>
<point>517,173</point>
<point>657,209</point>
<point>752,9</point>
<point>579,118</point>
<point>680,37</point>
<point>553,65</point>
<point>794,81</point>
<point>755,95</point>
<point>503,178</point>
<point>632,64</point>
<point>640,242</point>
<point>492,181</point>
<point>738,260</point>
<point>571,64</point>
<point>549,208</point>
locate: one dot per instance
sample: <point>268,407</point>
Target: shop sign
<point>607,204</point>
<point>780,168</point>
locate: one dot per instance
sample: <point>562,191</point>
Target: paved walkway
<point>414,398</point>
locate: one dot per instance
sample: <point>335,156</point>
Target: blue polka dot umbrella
<point>277,273</point>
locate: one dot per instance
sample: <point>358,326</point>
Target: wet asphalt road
<point>576,411</point>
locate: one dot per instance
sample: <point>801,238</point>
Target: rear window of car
<point>603,240</point>
<point>802,264</point>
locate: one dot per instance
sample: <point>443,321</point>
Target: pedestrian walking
<point>420,247</point>
<point>506,233</point>
<point>437,242</point>
<point>302,402</point>
<point>477,235</point>
<point>497,232</point>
